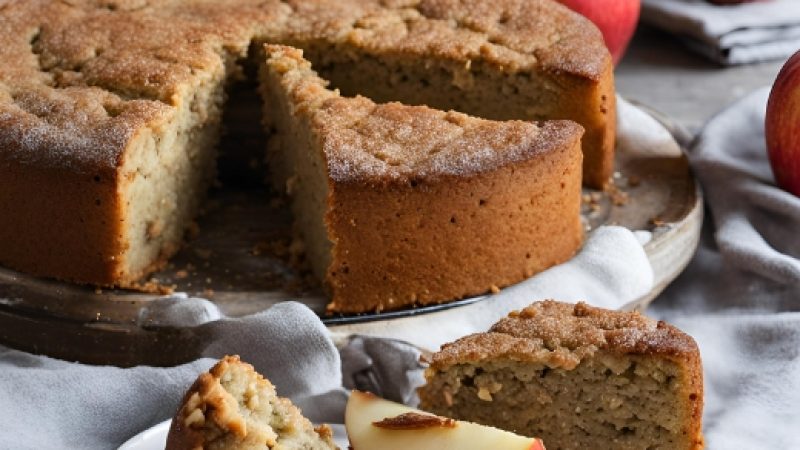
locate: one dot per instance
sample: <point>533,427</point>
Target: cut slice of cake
<point>376,424</point>
<point>406,205</point>
<point>232,407</point>
<point>575,376</point>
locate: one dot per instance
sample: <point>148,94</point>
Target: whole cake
<point>232,407</point>
<point>110,110</point>
<point>384,195</point>
<point>576,376</point>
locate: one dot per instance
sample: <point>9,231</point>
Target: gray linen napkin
<point>47,403</point>
<point>739,296</point>
<point>730,34</point>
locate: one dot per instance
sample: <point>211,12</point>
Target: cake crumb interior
<point>624,403</point>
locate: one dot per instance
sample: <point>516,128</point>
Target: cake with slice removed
<point>576,376</point>
<point>110,111</point>
<point>232,407</point>
<point>376,424</point>
<point>406,205</point>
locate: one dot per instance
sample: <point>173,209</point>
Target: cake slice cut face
<point>406,205</point>
<point>232,407</point>
<point>576,376</point>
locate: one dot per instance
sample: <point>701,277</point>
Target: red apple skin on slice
<point>371,425</point>
<point>616,19</point>
<point>782,126</point>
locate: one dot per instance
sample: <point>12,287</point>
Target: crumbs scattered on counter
<point>617,195</point>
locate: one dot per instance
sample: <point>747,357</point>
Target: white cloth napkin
<point>739,296</point>
<point>730,34</point>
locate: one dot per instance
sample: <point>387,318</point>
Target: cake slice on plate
<point>576,376</point>
<point>406,205</point>
<point>232,407</point>
<point>376,424</point>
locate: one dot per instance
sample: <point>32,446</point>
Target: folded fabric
<point>48,403</point>
<point>738,296</point>
<point>730,34</point>
<point>749,256</point>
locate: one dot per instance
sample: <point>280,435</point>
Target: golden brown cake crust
<point>81,82</point>
<point>434,240</point>
<point>569,333</point>
<point>514,35</point>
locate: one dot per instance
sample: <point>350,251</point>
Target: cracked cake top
<point>561,335</point>
<point>82,79</point>
<point>365,141</point>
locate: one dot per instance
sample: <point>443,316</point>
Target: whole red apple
<point>616,19</point>
<point>783,126</point>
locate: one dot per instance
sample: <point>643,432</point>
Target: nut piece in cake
<point>575,376</point>
<point>376,424</point>
<point>232,407</point>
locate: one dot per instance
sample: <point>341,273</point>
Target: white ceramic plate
<point>155,438</point>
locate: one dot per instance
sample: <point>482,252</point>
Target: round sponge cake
<point>110,110</point>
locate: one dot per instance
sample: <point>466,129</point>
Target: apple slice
<point>373,423</point>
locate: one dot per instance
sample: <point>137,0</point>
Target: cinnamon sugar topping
<point>415,421</point>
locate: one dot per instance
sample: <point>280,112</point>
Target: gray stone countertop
<point>658,71</point>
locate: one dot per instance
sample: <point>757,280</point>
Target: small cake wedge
<point>407,205</point>
<point>376,424</point>
<point>232,407</point>
<point>575,376</point>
